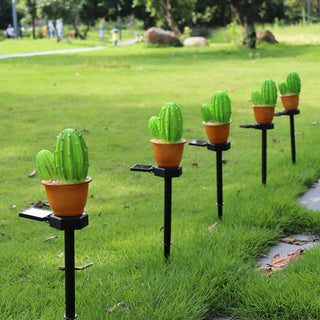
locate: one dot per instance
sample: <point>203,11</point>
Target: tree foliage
<point>296,10</point>
<point>5,13</point>
<point>29,10</point>
<point>172,13</point>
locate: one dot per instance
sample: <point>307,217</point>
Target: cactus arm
<point>153,127</point>
<point>283,88</point>
<point>293,83</point>
<point>205,112</point>
<point>221,106</point>
<point>256,97</point>
<point>45,165</point>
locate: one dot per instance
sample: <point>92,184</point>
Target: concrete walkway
<point>311,199</point>
<point>31,54</point>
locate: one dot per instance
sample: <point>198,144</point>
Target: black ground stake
<point>167,174</point>
<point>68,224</point>
<point>290,113</point>
<point>263,128</point>
<point>218,148</point>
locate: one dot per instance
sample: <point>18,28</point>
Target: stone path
<point>31,54</point>
<point>311,199</point>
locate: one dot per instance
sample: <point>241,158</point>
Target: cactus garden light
<point>290,91</point>
<point>64,173</point>
<point>264,102</point>
<point>166,133</point>
<point>217,117</point>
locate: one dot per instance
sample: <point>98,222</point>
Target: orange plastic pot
<point>168,155</point>
<point>290,101</point>
<point>67,199</point>
<point>263,114</point>
<point>217,133</point>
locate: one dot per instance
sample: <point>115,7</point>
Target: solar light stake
<point>293,143</point>
<point>69,274</point>
<point>219,183</point>
<point>264,156</point>
<point>291,113</point>
<point>167,216</point>
<point>218,148</point>
<point>263,127</point>
<point>68,224</point>
<point>167,174</point>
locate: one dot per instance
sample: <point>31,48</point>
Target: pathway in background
<point>31,54</point>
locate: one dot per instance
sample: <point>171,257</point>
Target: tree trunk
<point>246,16</point>
<point>85,33</point>
<point>55,30</point>
<point>166,11</point>
<point>318,10</point>
<point>249,36</point>
<point>33,28</point>
<point>77,32</point>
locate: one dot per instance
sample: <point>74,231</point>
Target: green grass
<point>109,95</point>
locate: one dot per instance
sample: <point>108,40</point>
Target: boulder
<point>156,35</point>
<point>195,42</point>
<point>266,35</point>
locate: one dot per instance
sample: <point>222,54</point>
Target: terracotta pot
<point>67,199</point>
<point>168,155</point>
<point>217,133</point>
<point>263,114</point>
<point>290,101</point>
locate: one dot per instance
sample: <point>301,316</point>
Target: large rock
<point>156,35</point>
<point>266,35</point>
<point>195,42</point>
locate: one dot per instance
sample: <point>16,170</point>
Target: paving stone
<point>283,248</point>
<point>311,199</point>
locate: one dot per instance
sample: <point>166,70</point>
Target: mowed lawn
<point>109,95</point>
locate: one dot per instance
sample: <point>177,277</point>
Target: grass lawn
<point>109,95</point>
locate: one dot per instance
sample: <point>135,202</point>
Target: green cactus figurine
<point>221,107</point>
<point>269,93</point>
<point>71,156</point>
<point>256,97</point>
<point>283,88</point>
<point>293,83</point>
<point>69,163</point>
<point>169,125</point>
<point>45,165</point>
<point>292,86</point>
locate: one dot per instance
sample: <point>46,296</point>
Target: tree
<point>270,10</point>
<point>89,13</point>
<point>57,9</point>
<point>5,13</point>
<point>140,12</point>
<point>245,12</point>
<point>29,8</point>
<point>211,13</point>
<point>295,9</point>
<point>174,12</point>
